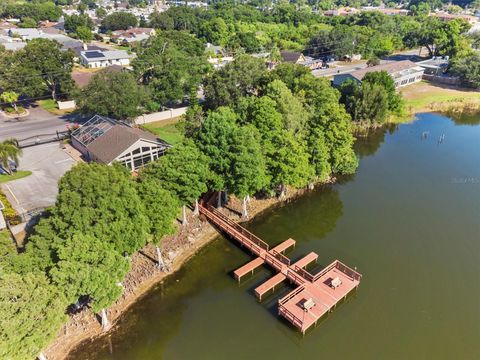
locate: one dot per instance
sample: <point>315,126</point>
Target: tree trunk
<point>54,95</point>
<point>14,104</point>
<point>196,211</point>
<point>311,186</point>
<point>225,197</point>
<point>105,323</point>
<point>161,264</point>
<point>282,192</point>
<point>42,356</point>
<point>248,199</point>
<point>184,215</point>
<point>219,200</point>
<point>244,208</point>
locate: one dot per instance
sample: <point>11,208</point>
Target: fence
<point>160,116</point>
<point>446,80</point>
<point>42,139</point>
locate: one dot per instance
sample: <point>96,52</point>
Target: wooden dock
<point>315,295</point>
<point>255,263</point>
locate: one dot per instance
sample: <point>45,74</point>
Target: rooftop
<point>289,56</point>
<point>394,68</point>
<point>116,140</point>
<point>106,138</point>
<point>98,55</point>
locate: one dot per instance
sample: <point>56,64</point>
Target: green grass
<point>15,176</point>
<point>48,104</point>
<point>171,133</point>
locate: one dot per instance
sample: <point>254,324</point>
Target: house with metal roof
<point>403,73</point>
<point>104,58</point>
<point>106,140</point>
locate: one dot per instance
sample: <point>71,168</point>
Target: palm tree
<point>9,150</point>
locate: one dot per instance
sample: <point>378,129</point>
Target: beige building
<point>403,73</point>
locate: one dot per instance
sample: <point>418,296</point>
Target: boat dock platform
<point>315,295</point>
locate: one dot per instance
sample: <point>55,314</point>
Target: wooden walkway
<point>315,295</point>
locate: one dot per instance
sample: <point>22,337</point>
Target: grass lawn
<point>425,96</point>
<point>166,130</point>
<point>15,176</point>
<point>51,106</point>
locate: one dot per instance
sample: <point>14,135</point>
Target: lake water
<point>409,220</point>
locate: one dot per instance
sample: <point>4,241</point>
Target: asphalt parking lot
<point>47,163</point>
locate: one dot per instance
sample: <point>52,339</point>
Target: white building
<point>403,73</point>
<point>101,58</point>
<point>10,43</point>
<point>105,141</point>
<point>28,34</point>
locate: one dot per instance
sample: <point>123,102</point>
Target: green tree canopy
<point>214,140</point>
<point>289,106</point>
<point>172,65</point>
<point>41,67</point>
<point>183,171</point>
<point>468,69</point>
<point>31,314</point>
<point>161,208</point>
<point>118,21</point>
<point>381,78</point>
<point>248,166</point>
<point>74,21</point>
<point>89,265</point>
<point>112,93</point>
<point>239,78</point>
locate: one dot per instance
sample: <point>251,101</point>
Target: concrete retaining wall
<point>160,116</point>
<point>64,105</point>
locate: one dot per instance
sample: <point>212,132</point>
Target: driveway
<point>48,163</point>
<point>38,122</point>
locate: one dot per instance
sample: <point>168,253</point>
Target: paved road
<point>37,122</point>
<point>404,55</point>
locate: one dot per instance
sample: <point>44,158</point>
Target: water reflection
<point>466,117</point>
<point>312,217</point>
<point>369,141</point>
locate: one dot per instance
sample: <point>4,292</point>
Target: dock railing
<point>304,273</point>
<point>292,275</point>
<point>352,274</point>
<point>281,257</point>
<point>273,261</point>
<point>291,294</point>
<point>290,316</point>
<point>209,210</point>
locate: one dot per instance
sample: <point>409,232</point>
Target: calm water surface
<point>409,220</point>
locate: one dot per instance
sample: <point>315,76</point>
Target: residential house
<point>299,59</point>
<point>403,73</point>
<point>292,57</point>
<point>10,43</point>
<point>342,11</point>
<point>218,56</point>
<point>131,35</point>
<point>28,34</point>
<point>104,58</point>
<point>105,141</point>
<point>437,65</point>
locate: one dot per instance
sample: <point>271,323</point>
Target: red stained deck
<point>320,291</point>
<point>248,268</point>
<point>306,260</point>
<point>315,296</point>
<point>269,285</point>
<point>255,263</point>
